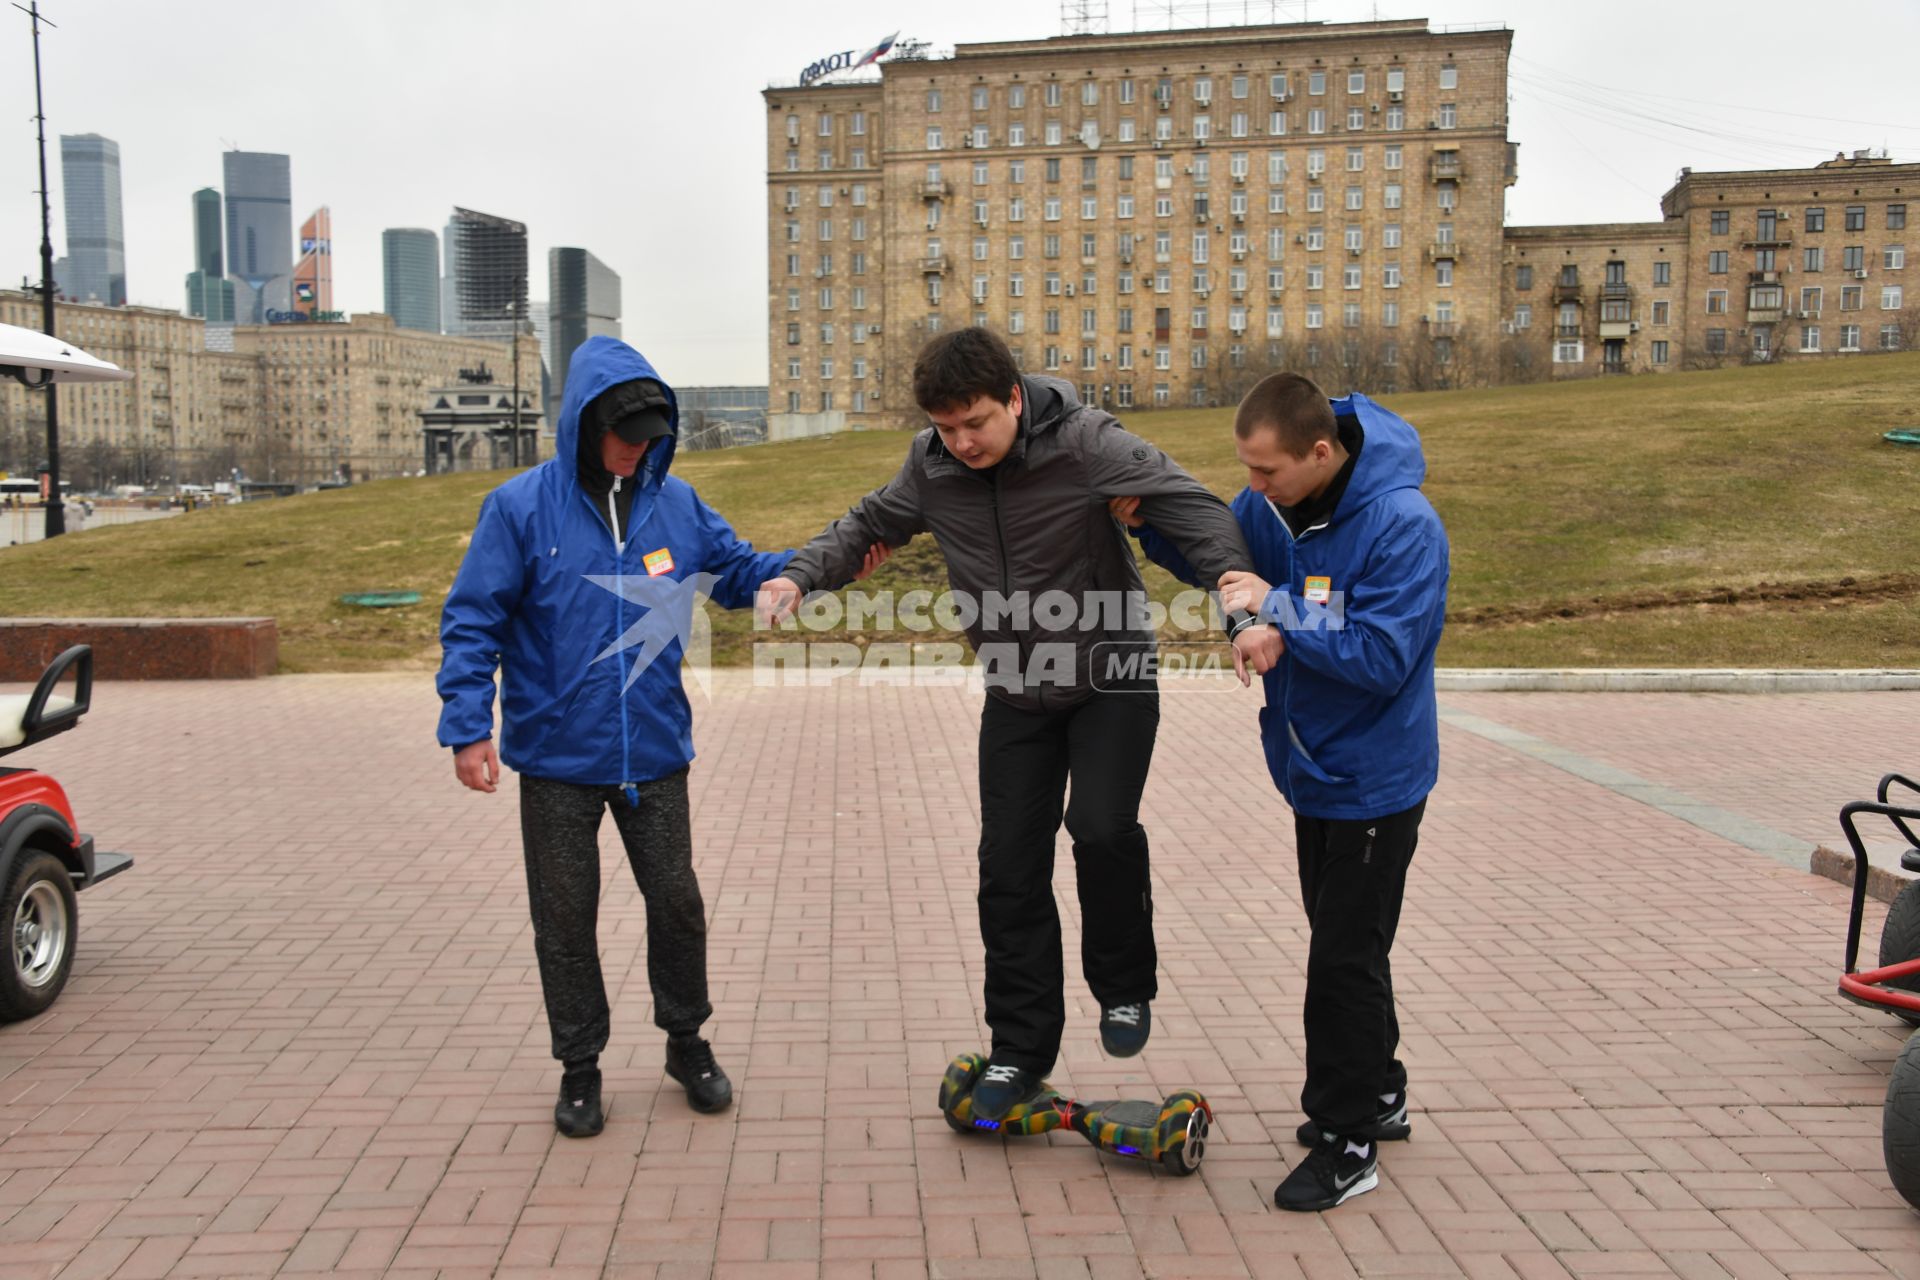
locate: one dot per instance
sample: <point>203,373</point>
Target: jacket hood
<point>597,364</point>
<point>1390,455</point>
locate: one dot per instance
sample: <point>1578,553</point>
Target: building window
<point>1356,197</point>
<point>1816,219</point>
<point>1523,316</point>
<point>934,138</point>
<point>1443,273</point>
<point>1896,217</point>
<point>1523,277</point>
<point>1396,117</point>
<point>1849,337</point>
<point>1716,342</point>
<point>1816,258</point>
<point>1889,337</point>
<point>1809,337</point>
<point>1852,297</point>
<point>1663,273</point>
<point>1894,257</point>
<point>1390,196</point>
<point>1810,300</point>
<point>1890,297</point>
<point>1449,77</point>
<point>1660,352</point>
<point>1856,217</point>
<point>1317,120</point>
<point>1717,262</point>
<point>1853,258</point>
<point>1719,222</point>
<point>1661,311</point>
<point>1449,116</point>
<point>1716,302</point>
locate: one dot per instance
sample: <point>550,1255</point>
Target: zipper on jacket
<point>620,626</point>
<point>1006,581</point>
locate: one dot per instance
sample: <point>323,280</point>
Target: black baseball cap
<point>643,425</point>
<point>635,411</point>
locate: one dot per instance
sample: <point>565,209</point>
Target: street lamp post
<point>55,510</point>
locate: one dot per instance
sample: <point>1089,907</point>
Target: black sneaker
<point>1002,1088</point>
<point>1124,1028</point>
<point>578,1113</point>
<point>690,1061</point>
<point>1334,1172</point>
<point>1391,1125</point>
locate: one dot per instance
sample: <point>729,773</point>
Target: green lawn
<point>1624,521</point>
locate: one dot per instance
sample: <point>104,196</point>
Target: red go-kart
<point>44,858</point>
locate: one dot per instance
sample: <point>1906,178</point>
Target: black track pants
<point>1353,875</point>
<point>560,825</point>
<point>1101,748</point>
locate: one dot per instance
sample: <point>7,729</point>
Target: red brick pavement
<point>305,1037</point>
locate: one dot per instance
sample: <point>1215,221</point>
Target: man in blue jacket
<point>1350,578</point>
<point>579,585</point>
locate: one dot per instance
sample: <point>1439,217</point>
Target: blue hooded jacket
<point>588,633</point>
<point>1351,729</point>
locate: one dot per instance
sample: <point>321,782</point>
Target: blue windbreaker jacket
<point>588,634</point>
<point>1350,728</point>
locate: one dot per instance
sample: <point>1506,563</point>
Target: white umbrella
<point>32,357</point>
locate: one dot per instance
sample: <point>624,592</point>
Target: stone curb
<point>1672,680</point>
<point>1883,883</point>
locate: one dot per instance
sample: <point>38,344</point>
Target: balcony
<point>1440,328</point>
<point>934,266</point>
<point>935,190</point>
<point>1443,249</point>
<point>1566,291</point>
<point>1566,331</point>
<point>1765,315</point>
<point>1782,238</point>
<point>1616,329</point>
<point>1616,292</point>
<point>1446,167</point>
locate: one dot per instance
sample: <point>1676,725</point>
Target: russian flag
<point>878,51</point>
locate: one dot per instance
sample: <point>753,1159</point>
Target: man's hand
<point>1257,649</point>
<point>1242,591</point>
<point>776,600</point>
<point>477,766</point>
<point>1127,511</point>
<point>877,555</point>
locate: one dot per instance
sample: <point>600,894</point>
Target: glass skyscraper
<point>209,292</point>
<point>411,259</point>
<point>583,301</point>
<point>96,267</point>
<point>485,291</point>
<point>259,233</point>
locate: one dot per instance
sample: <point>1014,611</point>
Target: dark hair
<point>954,369</point>
<point>1293,407</point>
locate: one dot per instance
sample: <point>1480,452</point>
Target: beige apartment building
<point>1797,261</point>
<point>1745,266</point>
<point>1151,216</point>
<point>290,402</point>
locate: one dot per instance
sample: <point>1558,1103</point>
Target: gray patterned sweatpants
<point>560,826</point>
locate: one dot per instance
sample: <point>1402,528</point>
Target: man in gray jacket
<point>1012,479</point>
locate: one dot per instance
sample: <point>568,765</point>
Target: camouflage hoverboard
<point>1171,1133</point>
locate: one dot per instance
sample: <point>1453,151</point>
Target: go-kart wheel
<point>1900,1123</point>
<point>1186,1123</point>
<point>1900,942</point>
<point>37,912</point>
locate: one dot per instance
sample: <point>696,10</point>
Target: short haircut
<point>954,369</point>
<point>1293,407</point>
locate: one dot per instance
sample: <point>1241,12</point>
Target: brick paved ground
<point>305,1032</point>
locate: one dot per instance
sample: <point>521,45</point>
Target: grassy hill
<point>1737,517</point>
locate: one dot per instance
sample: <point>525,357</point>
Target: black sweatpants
<point>560,827</point>
<point>1102,747</point>
<point>1353,875</point>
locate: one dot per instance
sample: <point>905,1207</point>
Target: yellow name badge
<point>1319,590</point>
<point>658,562</point>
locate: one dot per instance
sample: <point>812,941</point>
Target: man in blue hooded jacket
<point>579,585</point>
<point>1350,580</point>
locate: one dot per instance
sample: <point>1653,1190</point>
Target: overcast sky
<point>636,130</point>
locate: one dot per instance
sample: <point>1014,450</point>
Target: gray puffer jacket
<point>1038,523</point>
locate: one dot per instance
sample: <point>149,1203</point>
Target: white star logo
<point>667,618</point>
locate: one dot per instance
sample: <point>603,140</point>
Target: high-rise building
<point>1156,218</point>
<point>313,273</point>
<point>209,292</point>
<point>96,239</point>
<point>484,294</point>
<point>206,232</point>
<point>259,196</point>
<point>583,302</point>
<point>410,259</point>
